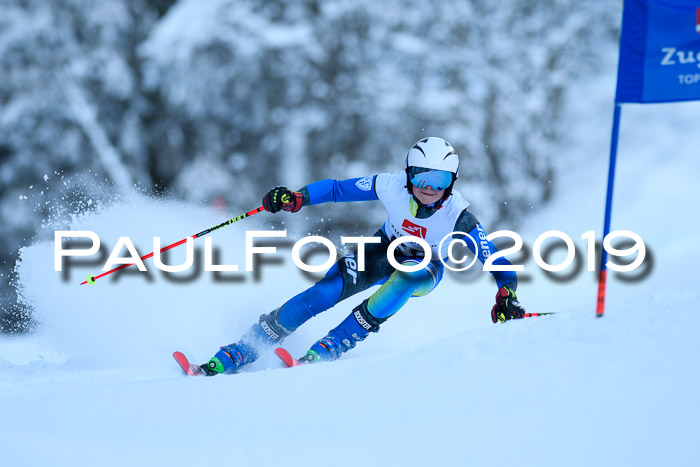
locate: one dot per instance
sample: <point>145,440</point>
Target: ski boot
<point>355,328</point>
<point>262,335</point>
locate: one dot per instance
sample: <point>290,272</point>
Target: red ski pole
<point>532,315</point>
<point>91,279</point>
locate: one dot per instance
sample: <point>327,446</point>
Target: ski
<point>286,357</point>
<point>190,369</point>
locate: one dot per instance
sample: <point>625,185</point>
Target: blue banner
<point>659,51</point>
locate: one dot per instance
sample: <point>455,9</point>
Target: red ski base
<point>190,369</point>
<point>286,357</point>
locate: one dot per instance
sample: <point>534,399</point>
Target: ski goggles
<point>422,177</point>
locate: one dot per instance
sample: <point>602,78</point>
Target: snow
<point>440,384</point>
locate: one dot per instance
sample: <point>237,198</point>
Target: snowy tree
<point>226,99</point>
<point>331,89</point>
<point>70,104</point>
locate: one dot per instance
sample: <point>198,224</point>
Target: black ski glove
<point>507,306</point>
<point>282,198</point>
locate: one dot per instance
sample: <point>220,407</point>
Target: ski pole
<point>91,279</point>
<point>532,315</point>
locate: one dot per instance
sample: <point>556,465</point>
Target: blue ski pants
<point>344,280</point>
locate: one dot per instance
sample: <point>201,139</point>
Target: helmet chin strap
<point>420,203</point>
<point>434,206</point>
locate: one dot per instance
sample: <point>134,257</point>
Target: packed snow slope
<point>438,385</point>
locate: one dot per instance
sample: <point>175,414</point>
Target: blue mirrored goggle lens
<point>438,179</point>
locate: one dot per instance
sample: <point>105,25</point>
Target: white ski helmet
<point>433,153</point>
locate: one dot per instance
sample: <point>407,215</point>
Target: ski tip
<point>183,362</point>
<point>286,357</point>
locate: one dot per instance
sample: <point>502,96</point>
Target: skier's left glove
<point>281,198</point>
<point>507,306</point>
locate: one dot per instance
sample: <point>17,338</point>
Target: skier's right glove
<point>507,306</point>
<point>281,198</point>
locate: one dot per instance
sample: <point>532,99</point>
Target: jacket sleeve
<point>339,191</point>
<point>467,222</point>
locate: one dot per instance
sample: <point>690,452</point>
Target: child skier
<point>420,202</point>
